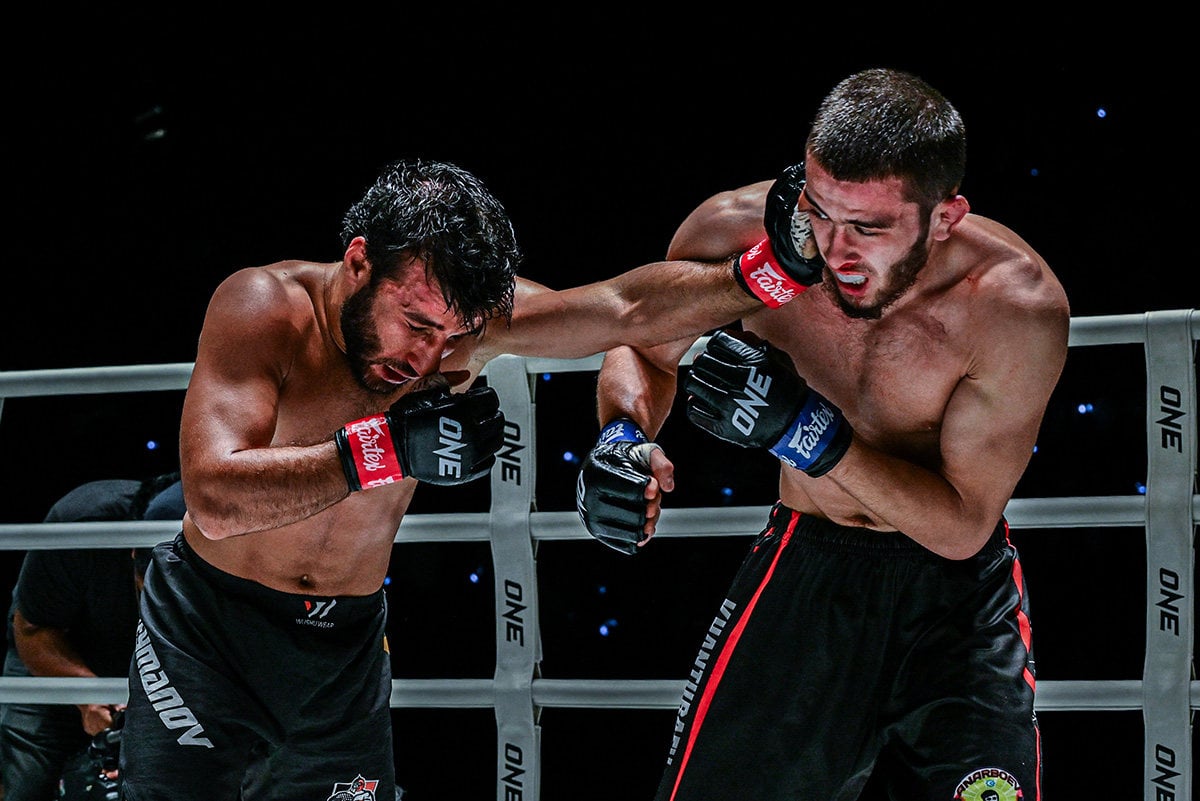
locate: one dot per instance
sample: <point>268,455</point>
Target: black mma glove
<point>609,494</point>
<point>787,262</point>
<point>432,435</point>
<point>750,395</point>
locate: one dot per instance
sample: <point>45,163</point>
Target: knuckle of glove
<point>622,541</point>
<point>421,401</point>
<point>484,399</point>
<point>614,520</point>
<point>789,229</point>
<point>616,465</point>
<point>724,347</point>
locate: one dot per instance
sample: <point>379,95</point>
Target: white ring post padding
<point>1170,552</point>
<point>518,635</point>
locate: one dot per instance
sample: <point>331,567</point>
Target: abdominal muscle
<point>344,550</point>
<point>825,500</point>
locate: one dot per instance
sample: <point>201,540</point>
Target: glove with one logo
<point>432,435</point>
<point>610,491</point>
<point>750,394</point>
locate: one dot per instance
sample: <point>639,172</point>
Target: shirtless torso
<point>932,382</point>
<point>945,390</point>
<point>268,500</point>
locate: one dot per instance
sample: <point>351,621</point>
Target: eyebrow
<point>422,320</point>
<point>879,224</point>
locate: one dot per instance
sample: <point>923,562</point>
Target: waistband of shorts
<point>823,534</point>
<point>320,611</point>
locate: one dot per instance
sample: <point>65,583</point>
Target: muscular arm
<point>988,432</point>
<point>238,480</point>
<point>639,307</point>
<point>640,382</point>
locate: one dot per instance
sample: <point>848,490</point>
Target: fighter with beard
<point>322,393</point>
<point>880,620</point>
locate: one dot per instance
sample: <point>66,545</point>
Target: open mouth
<point>850,279</point>
<point>394,376</point>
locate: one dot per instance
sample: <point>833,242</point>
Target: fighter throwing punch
<point>321,394</point>
<point>879,623</point>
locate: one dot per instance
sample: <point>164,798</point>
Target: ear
<point>355,263</point>
<point>946,215</point>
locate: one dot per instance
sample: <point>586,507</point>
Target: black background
<point>149,159</point>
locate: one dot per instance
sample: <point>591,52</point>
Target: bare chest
<point>892,378</point>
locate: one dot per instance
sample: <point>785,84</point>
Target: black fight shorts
<point>842,651</point>
<point>237,691</point>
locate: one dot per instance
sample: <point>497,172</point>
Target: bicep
<point>993,418</point>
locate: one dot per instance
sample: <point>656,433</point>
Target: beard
<point>904,275</point>
<point>362,340</point>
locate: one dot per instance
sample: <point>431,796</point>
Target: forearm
<point>919,502</point>
<point>47,651</point>
<point>639,385</point>
<point>262,488</point>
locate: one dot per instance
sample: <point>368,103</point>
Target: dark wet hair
<point>883,123</point>
<point>444,215</point>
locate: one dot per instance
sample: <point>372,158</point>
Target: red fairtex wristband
<point>760,274</point>
<point>368,453</point>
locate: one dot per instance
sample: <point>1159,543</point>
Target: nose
<point>838,247</point>
<point>426,354</point>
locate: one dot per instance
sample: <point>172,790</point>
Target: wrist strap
<point>816,426</point>
<point>621,430</point>
<point>368,453</point>
<point>759,273</point>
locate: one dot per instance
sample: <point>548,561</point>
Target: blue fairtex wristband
<point>817,425</point>
<point>621,430</point>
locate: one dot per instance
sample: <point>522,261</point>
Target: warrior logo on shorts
<point>988,784</point>
<point>358,790</point>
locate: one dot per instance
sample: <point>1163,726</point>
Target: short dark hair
<point>884,123</point>
<point>445,216</point>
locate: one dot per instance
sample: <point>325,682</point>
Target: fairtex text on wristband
<point>621,430</point>
<point>373,452</point>
<point>810,433</point>
<point>763,277</point>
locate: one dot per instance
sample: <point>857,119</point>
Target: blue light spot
<point>547,376</point>
<point>1085,408</point>
<point>602,589</point>
<point>473,578</point>
<point>1034,172</point>
<point>1101,113</point>
<point>151,445</point>
<point>606,628</point>
<point>387,580</point>
<point>727,492</point>
<point>1141,488</point>
<point>568,456</point>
